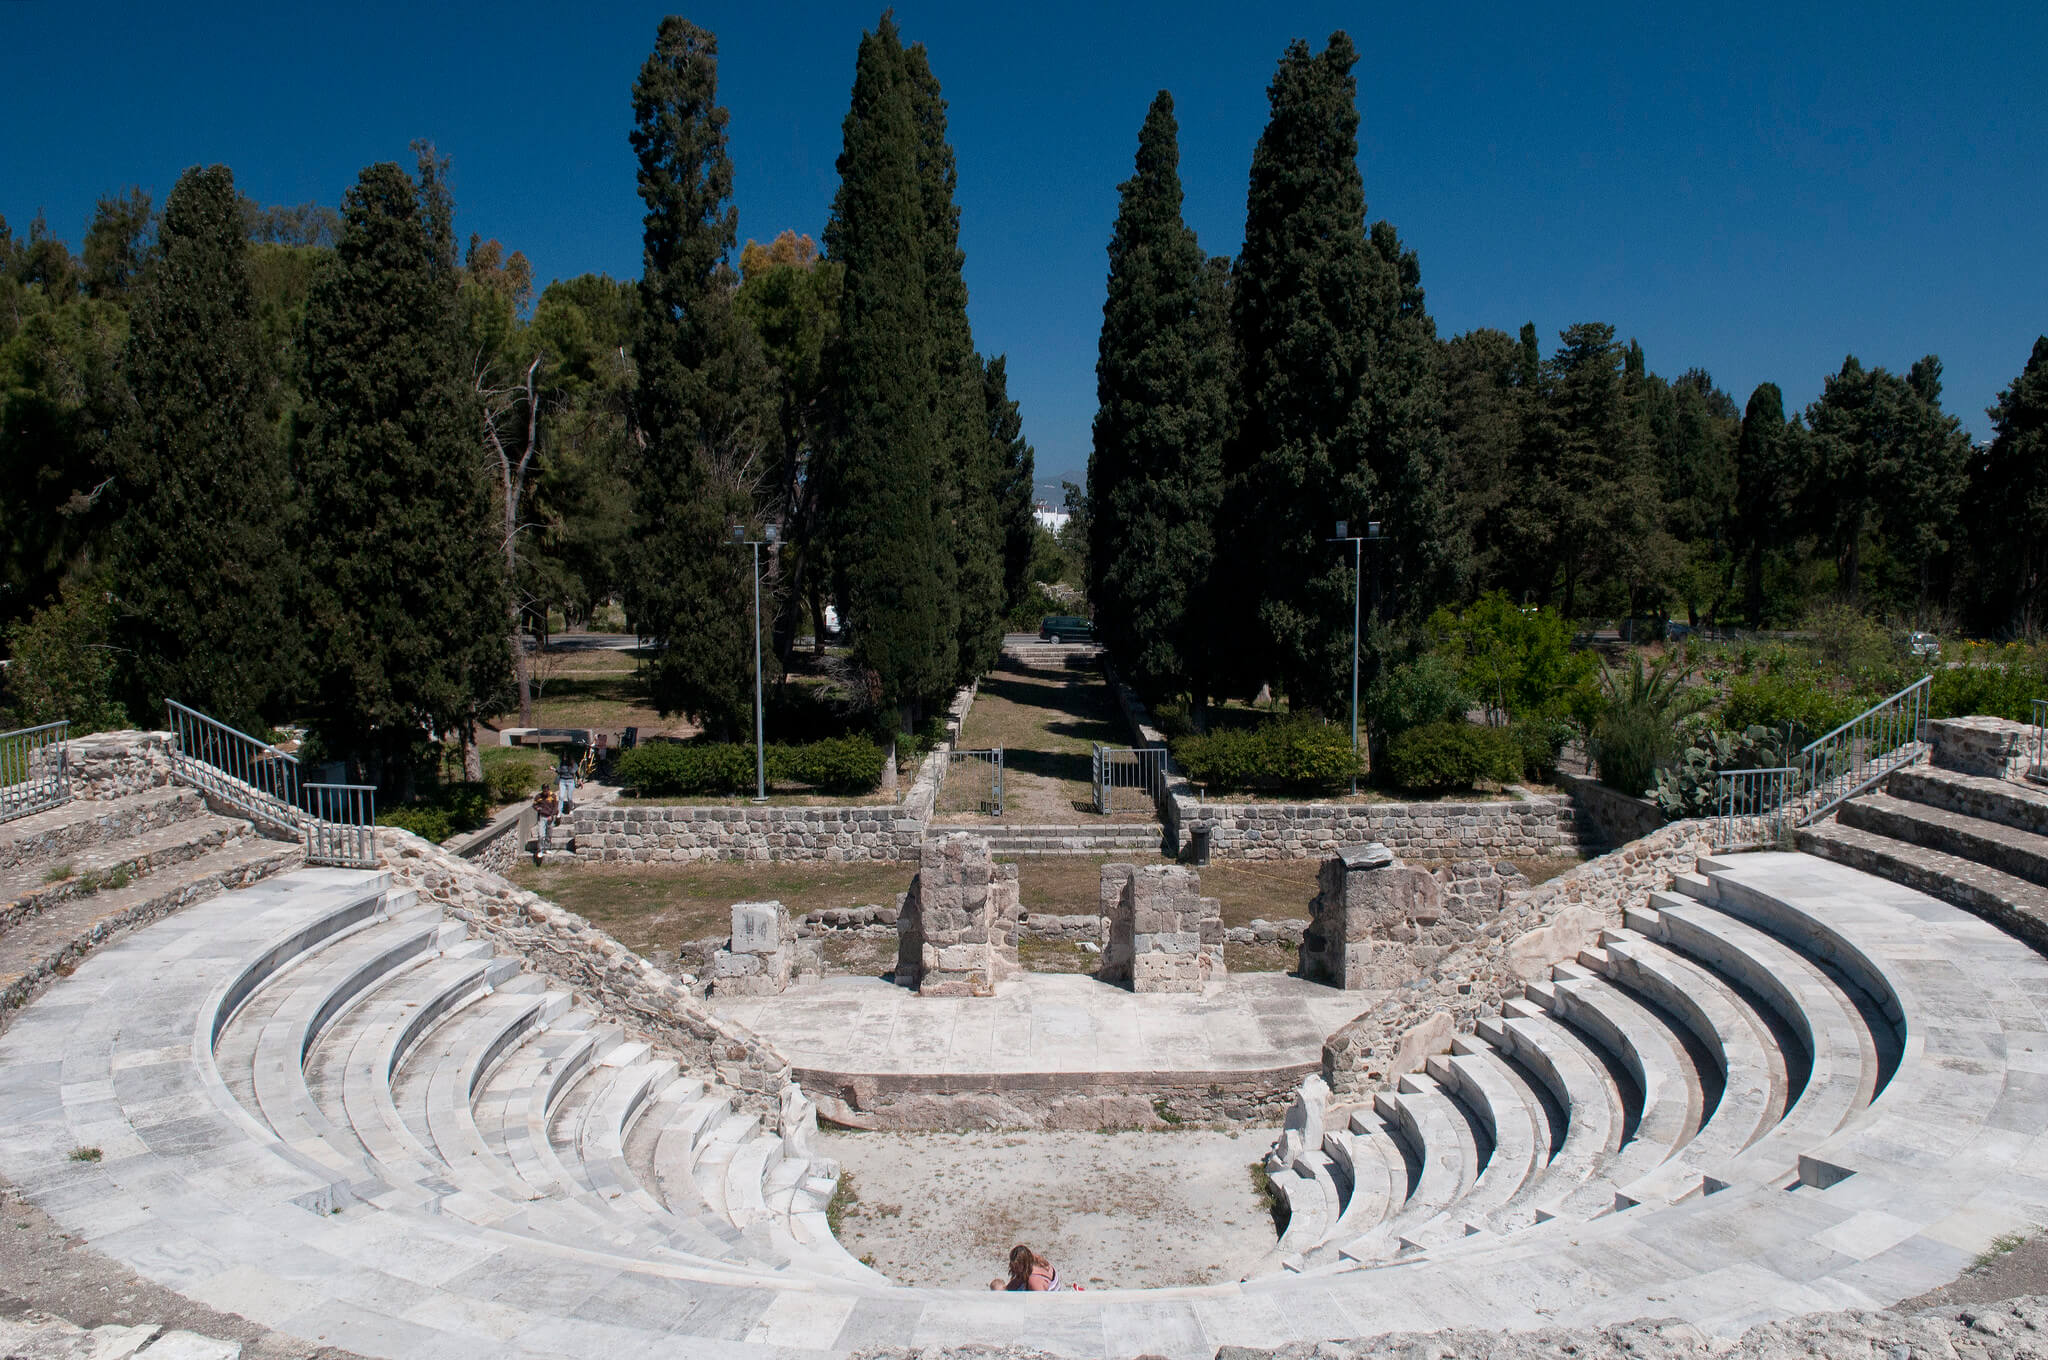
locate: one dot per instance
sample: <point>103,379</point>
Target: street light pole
<point>739,536</point>
<point>1357,542</point>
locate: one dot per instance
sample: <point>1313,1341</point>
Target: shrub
<point>1689,788</point>
<point>1425,690</point>
<point>1775,698</point>
<point>439,813</point>
<point>836,764</point>
<point>63,666</point>
<point>1628,746</point>
<point>659,769</point>
<point>1539,744</point>
<point>511,781</point>
<point>2000,682</point>
<point>1442,756</point>
<point>1299,753</point>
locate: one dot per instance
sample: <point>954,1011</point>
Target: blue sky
<point>1756,192</point>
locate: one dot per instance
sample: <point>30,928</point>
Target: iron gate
<point>1129,778</point>
<point>972,782</point>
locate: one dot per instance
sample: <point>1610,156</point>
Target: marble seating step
<point>2021,806</point>
<point>2014,904</point>
<point>50,837</point>
<point>1581,1086</point>
<point>1444,1151</point>
<point>38,885</point>
<point>1670,1087</point>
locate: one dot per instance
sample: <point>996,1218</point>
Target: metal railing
<point>1120,772</point>
<point>253,777</point>
<point>341,826</point>
<point>1753,808</point>
<point>972,781</point>
<point>35,773</point>
<point>335,821</point>
<point>1863,750</point>
<point>2037,768</point>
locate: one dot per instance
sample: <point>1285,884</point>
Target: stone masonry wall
<point>1531,930</point>
<point>1163,935</point>
<point>569,950</point>
<point>957,929</point>
<point>108,765</point>
<point>835,833</point>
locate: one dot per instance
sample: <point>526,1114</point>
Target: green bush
<point>836,764</point>
<point>664,769</point>
<point>1775,698</point>
<point>1999,682</point>
<point>1690,788</point>
<point>1540,743</point>
<point>1299,753</point>
<point>1425,690</point>
<point>1628,745</point>
<point>439,813</point>
<point>1441,757</point>
<point>510,781</point>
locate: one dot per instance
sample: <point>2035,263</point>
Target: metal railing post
<point>35,769</point>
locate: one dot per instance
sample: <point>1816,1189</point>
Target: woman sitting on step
<point>1030,1272</point>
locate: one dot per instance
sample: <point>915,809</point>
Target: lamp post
<point>1357,542</point>
<point>767,539</point>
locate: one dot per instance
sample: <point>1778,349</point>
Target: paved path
<point>1050,1022</point>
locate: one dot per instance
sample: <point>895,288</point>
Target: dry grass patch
<point>662,906</point>
<point>1045,721</point>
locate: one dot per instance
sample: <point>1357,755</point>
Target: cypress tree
<point>964,479</point>
<point>703,409</point>
<point>1341,391</point>
<point>884,447</point>
<point>1766,488</point>
<point>406,589</point>
<point>1014,458</point>
<point>2008,501</point>
<point>1156,471</point>
<point>204,575</point>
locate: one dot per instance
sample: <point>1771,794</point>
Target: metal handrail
<point>1750,806</point>
<point>990,759</point>
<point>341,826</point>
<point>1862,751</point>
<point>35,769</point>
<point>2038,769</point>
<point>253,777</point>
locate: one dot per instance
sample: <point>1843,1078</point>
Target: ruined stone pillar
<point>1163,935</point>
<point>957,932</point>
<point>1373,921</point>
<point>761,954</point>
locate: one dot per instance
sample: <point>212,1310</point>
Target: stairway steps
<point>1442,1143</point>
<point>2008,849</point>
<point>81,825</point>
<point>1581,1088</point>
<point>2001,801</point>
<point>2013,904</point>
<point>1673,1102</point>
<point>30,889</point>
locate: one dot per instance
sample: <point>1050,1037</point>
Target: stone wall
<point>957,930</point>
<point>498,846</point>
<point>833,832</point>
<point>1083,1101</point>
<point>1163,935</point>
<point>1532,929</point>
<point>1997,747</point>
<point>1524,826</point>
<point>567,949</point>
<point>109,765</point>
<point>1608,816</point>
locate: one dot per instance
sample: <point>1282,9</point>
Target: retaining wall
<point>1609,816</point>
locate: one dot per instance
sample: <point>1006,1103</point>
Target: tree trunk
<point>472,755</point>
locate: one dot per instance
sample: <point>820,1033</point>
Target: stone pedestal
<point>1988,746</point>
<point>1163,936</point>
<point>1374,924</point>
<point>957,932</point>
<point>760,956</point>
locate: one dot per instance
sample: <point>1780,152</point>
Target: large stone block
<point>1162,934</point>
<point>957,927</point>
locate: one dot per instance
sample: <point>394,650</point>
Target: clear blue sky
<point>1757,193</point>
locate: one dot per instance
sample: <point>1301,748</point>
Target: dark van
<point>1065,628</point>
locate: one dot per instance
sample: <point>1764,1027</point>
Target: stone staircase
<point>1785,1085</point>
<point>1091,838</point>
<point>72,876</point>
<point>1976,840</point>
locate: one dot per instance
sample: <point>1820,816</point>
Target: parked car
<point>1923,646</point>
<point>1065,628</point>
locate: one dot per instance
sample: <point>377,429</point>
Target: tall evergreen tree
<point>1342,397</point>
<point>1155,476</point>
<point>406,591</point>
<point>1766,490</point>
<point>1014,484</point>
<point>885,449</point>
<point>2008,504</point>
<point>964,479</point>
<point>1605,502</point>
<point>204,573</point>
<point>704,409</point>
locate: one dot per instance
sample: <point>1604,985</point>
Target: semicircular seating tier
<point>1787,1086</point>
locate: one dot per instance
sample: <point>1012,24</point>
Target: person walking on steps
<point>545,808</point>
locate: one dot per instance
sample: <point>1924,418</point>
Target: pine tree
<point>204,573</point>
<point>2008,502</point>
<point>704,407</point>
<point>1155,474</point>
<point>964,480</point>
<point>884,447</point>
<point>406,589</point>
<point>1014,483</point>
<point>1342,398</point>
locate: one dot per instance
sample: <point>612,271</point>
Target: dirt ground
<point>1046,721</point>
<point>1111,1211</point>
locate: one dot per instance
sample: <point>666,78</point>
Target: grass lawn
<point>661,906</point>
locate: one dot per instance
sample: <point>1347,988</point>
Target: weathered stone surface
<point>1980,745</point>
<point>1162,935</point>
<point>958,927</point>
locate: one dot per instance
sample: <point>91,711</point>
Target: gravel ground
<point>1110,1210</point>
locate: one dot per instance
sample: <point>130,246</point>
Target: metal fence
<point>972,781</point>
<point>35,774</point>
<point>1129,778</point>
<point>341,826</point>
<point>1753,808</point>
<point>252,777</point>
<point>1863,750</point>
<point>2037,768</point>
